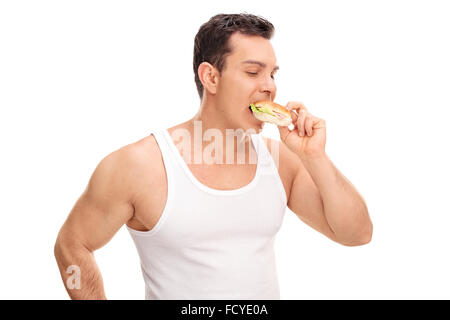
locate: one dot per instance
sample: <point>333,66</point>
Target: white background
<point>80,79</point>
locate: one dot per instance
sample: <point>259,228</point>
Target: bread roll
<point>272,112</point>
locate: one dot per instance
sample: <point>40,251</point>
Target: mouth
<point>251,110</point>
<point>252,114</point>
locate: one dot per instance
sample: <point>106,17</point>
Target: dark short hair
<point>211,42</point>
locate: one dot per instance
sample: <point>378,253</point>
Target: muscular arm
<point>101,210</point>
<point>325,200</point>
<point>343,208</point>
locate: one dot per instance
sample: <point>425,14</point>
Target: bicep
<point>306,202</point>
<point>102,208</point>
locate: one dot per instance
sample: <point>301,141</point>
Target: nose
<point>270,93</point>
<point>269,89</point>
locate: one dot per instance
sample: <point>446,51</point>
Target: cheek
<point>233,84</point>
<point>238,89</point>
<point>242,87</point>
<point>248,87</point>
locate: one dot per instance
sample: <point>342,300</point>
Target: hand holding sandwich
<point>308,137</point>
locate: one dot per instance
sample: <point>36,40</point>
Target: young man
<point>204,223</point>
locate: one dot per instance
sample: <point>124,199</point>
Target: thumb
<point>284,130</point>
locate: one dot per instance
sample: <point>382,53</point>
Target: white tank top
<point>210,243</point>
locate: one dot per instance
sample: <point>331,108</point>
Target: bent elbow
<point>368,234</point>
<point>360,240</point>
<point>364,240</point>
<point>365,234</point>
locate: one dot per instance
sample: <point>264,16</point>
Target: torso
<point>151,187</point>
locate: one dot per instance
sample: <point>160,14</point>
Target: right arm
<point>99,213</point>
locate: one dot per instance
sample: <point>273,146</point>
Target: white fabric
<point>209,243</point>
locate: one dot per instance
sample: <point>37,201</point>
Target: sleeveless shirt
<point>210,243</point>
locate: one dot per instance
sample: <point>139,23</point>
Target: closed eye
<point>255,73</point>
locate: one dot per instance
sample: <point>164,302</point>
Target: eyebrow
<point>261,64</point>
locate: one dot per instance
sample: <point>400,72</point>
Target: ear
<point>209,76</point>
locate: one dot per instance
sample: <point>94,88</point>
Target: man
<point>204,229</point>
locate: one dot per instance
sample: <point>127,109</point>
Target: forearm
<point>344,208</point>
<point>89,284</point>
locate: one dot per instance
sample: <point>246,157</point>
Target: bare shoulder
<point>142,164</point>
<point>124,171</point>
<point>147,182</point>
<point>109,199</point>
<point>142,152</point>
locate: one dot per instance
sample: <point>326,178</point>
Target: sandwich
<point>272,112</point>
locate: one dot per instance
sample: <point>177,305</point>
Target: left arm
<point>320,195</point>
<point>341,206</point>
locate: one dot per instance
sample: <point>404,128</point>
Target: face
<point>248,76</point>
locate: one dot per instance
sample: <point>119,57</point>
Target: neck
<point>209,129</point>
<point>208,118</point>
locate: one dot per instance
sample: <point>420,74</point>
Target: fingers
<point>302,119</point>
<point>301,123</point>
<point>309,125</point>
<point>294,105</point>
<point>294,116</point>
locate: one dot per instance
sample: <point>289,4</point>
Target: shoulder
<point>131,166</point>
<point>133,156</point>
<point>141,154</point>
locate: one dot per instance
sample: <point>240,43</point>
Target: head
<point>235,65</point>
